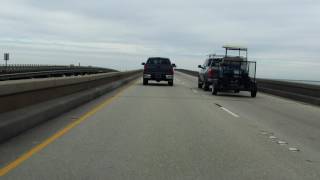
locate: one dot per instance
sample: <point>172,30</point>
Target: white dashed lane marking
<point>228,111</point>
<point>293,149</point>
<point>282,142</point>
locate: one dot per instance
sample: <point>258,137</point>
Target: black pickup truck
<point>158,69</point>
<point>207,71</point>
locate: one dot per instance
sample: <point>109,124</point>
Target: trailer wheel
<point>254,90</point>
<point>253,93</point>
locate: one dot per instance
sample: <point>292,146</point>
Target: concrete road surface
<point>179,132</point>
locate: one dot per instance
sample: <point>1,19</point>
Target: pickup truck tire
<point>214,90</point>
<point>145,82</point>
<point>170,83</point>
<point>200,85</point>
<point>206,87</point>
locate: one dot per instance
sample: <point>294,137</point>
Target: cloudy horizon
<point>282,36</point>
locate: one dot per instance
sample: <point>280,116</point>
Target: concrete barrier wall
<point>22,93</point>
<point>192,73</point>
<point>296,91</point>
<point>47,101</point>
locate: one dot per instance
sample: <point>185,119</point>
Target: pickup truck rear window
<point>159,61</point>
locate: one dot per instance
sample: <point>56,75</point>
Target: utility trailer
<point>235,73</point>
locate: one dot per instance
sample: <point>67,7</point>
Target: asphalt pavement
<point>180,132</point>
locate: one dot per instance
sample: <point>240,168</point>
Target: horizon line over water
<point>264,76</point>
<point>301,81</point>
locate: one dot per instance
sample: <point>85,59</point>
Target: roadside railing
<point>22,71</point>
<point>29,102</point>
<point>17,68</point>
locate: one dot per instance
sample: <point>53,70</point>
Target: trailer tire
<point>254,90</point>
<point>253,93</point>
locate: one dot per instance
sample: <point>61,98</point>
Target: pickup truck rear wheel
<point>214,90</point>
<point>206,87</point>
<point>200,84</point>
<point>145,82</point>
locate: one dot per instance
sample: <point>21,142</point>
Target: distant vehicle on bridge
<point>206,73</point>
<point>158,69</point>
<point>229,73</point>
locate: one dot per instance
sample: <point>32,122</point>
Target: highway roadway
<point>180,132</point>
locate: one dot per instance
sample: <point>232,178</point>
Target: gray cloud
<point>281,35</point>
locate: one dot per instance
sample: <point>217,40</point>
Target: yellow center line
<point>45,143</point>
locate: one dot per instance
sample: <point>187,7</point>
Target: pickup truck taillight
<point>171,71</point>
<point>210,73</point>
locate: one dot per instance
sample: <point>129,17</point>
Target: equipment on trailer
<point>235,73</point>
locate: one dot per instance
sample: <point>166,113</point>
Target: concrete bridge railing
<point>26,103</point>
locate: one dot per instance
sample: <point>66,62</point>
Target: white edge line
<point>228,111</point>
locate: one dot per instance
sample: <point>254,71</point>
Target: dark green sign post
<point>6,59</point>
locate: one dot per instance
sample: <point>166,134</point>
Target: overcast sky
<point>283,36</point>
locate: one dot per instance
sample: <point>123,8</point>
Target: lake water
<point>304,82</point>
